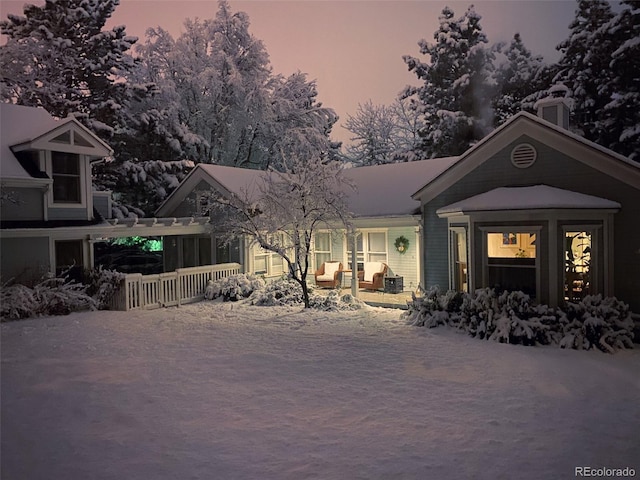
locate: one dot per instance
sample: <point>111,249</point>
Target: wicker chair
<point>328,275</point>
<point>372,277</point>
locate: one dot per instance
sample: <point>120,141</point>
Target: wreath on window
<point>402,244</point>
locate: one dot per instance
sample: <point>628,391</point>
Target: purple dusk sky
<point>353,49</point>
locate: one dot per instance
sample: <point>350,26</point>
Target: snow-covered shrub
<point>283,291</point>
<point>103,284</point>
<point>51,296</point>
<point>234,287</point>
<point>333,302</point>
<point>511,317</point>
<point>604,323</point>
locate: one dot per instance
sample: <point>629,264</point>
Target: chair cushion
<point>370,268</point>
<point>330,268</point>
<point>324,278</point>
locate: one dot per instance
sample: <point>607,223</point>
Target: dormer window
<point>66,177</point>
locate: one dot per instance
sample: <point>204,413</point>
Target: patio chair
<point>328,275</point>
<point>372,277</point>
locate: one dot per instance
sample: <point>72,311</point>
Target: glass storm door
<point>459,264</point>
<point>578,272</point>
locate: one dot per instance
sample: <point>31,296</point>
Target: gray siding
<point>187,207</point>
<point>24,259</point>
<point>102,203</point>
<point>555,169</point>
<point>26,204</point>
<point>68,214</point>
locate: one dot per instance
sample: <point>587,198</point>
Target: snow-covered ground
<point>231,391</point>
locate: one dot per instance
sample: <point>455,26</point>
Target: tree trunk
<point>305,293</point>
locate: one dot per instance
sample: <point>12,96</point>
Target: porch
<point>379,298</point>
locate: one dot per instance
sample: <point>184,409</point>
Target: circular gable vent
<point>523,155</point>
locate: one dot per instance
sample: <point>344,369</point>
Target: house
<point>51,219</point>
<point>383,213</point>
<point>531,207</point>
<point>534,207</point>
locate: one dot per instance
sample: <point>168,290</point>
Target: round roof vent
<point>523,155</point>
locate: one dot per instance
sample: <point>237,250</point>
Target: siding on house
<point>551,168</point>
<point>102,203</point>
<point>24,259</point>
<point>68,213</point>
<point>29,205</point>
<point>405,265</point>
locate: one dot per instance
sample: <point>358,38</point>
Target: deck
<point>378,298</point>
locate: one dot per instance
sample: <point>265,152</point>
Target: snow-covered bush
<point>335,302</point>
<point>234,287</point>
<point>283,291</point>
<point>51,296</point>
<point>604,323</point>
<point>286,291</point>
<point>511,317</point>
<point>103,284</point>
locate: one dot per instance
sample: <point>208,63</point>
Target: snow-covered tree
<point>215,77</point>
<point>454,99</point>
<point>60,57</point>
<point>584,66</point>
<point>382,133</point>
<point>621,115</point>
<point>372,128</point>
<point>520,79</point>
<point>294,108</point>
<point>283,212</point>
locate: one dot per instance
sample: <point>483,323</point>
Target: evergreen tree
<point>584,67</point>
<point>59,57</point>
<point>519,78</point>
<point>621,115</point>
<point>454,100</point>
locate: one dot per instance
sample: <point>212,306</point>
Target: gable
<point>558,152</point>
<point>71,137</point>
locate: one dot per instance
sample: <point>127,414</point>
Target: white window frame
<point>323,252</point>
<point>272,268</point>
<point>597,251</point>
<point>366,252</point>
<point>485,230</point>
<point>82,164</point>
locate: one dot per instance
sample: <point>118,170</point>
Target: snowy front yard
<point>230,391</point>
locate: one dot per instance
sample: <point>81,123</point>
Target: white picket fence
<point>185,285</point>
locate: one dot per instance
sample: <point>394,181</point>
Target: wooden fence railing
<point>185,285</point>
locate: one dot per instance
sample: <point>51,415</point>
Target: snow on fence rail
<point>185,285</point>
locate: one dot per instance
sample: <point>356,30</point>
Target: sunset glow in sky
<point>353,49</point>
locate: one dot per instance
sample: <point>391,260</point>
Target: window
<point>371,247</point>
<point>578,264</point>
<point>322,247</point>
<point>65,169</point>
<point>266,262</point>
<point>510,261</point>
<point>377,247</point>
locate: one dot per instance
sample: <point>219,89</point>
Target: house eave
<point>26,182</point>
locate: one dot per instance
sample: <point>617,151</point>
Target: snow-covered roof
<point>380,190</point>
<point>385,190</point>
<point>28,127</point>
<point>527,198</point>
<point>235,180</point>
<point>20,124</point>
